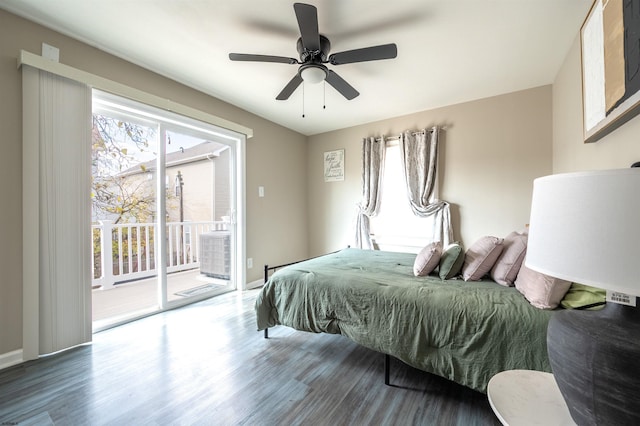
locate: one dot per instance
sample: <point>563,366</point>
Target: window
<point>396,228</point>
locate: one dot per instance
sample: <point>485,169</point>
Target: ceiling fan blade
<point>307,16</point>
<point>289,88</point>
<point>340,85</point>
<point>261,58</point>
<point>373,53</point>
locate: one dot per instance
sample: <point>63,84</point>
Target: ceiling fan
<point>314,48</point>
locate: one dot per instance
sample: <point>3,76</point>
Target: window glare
<point>395,220</point>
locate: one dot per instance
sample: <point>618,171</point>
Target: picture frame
<point>334,165</point>
<point>610,73</point>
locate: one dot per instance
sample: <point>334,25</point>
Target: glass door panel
<point>199,233</point>
<point>123,217</point>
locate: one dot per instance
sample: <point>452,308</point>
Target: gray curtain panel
<point>373,154</point>
<point>419,155</point>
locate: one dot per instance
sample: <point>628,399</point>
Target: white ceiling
<point>449,51</point>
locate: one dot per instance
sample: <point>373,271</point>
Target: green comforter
<point>463,331</point>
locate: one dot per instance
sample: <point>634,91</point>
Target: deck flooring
<point>141,295</point>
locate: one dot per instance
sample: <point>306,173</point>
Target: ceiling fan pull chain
<point>303,100</point>
<point>324,95</point>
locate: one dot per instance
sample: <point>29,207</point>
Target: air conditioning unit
<point>215,254</point>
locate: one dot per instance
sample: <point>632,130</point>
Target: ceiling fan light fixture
<point>313,74</point>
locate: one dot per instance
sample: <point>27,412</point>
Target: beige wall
<point>276,224</point>
<point>617,150</point>
<point>492,149</point>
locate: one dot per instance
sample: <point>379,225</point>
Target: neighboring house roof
<point>200,152</point>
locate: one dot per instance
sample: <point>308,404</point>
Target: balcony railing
<point>127,252</point>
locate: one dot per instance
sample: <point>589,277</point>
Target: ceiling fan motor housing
<point>320,56</point>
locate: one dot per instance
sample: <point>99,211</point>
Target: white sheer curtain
<point>419,156</point>
<point>56,213</point>
<point>373,153</point>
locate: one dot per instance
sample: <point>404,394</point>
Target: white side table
<point>526,397</point>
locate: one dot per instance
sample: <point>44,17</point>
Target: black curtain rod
<point>420,132</point>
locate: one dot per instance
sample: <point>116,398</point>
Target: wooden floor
<point>206,364</point>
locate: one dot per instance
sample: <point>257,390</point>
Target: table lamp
<point>585,228</point>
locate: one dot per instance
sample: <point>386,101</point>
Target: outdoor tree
<point>121,186</point>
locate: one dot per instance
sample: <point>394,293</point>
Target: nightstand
<point>527,397</point>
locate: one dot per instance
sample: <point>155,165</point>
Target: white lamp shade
<point>585,228</point>
<point>313,74</point>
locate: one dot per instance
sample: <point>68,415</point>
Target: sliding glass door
<point>164,195</point>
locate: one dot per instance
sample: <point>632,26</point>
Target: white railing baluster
<point>176,230</point>
<point>138,250</point>
<point>195,237</point>
<point>120,266</point>
<point>147,228</point>
<point>129,250</point>
<point>106,251</point>
<point>185,253</point>
<point>170,237</point>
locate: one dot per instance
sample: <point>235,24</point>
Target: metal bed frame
<point>270,269</point>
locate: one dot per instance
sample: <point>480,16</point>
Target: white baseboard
<point>10,359</point>
<point>255,284</point>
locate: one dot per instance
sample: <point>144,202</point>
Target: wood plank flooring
<point>206,364</point>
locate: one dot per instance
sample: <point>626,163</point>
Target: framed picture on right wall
<point>610,43</point>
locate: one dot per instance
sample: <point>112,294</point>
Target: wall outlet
<point>249,263</point>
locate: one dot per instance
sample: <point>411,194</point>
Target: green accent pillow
<point>582,296</point>
<point>451,261</point>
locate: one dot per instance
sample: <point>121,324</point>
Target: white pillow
<point>427,260</point>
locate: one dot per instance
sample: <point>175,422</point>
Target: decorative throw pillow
<point>541,290</point>
<point>506,269</point>
<point>582,296</point>
<point>427,260</point>
<point>481,257</point>
<point>451,261</point>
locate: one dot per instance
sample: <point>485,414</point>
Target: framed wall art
<point>334,165</point>
<point>610,50</point>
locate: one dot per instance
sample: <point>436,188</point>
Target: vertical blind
<point>56,219</point>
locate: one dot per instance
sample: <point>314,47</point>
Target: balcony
<point>125,279</point>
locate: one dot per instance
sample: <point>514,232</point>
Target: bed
<point>462,331</point>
